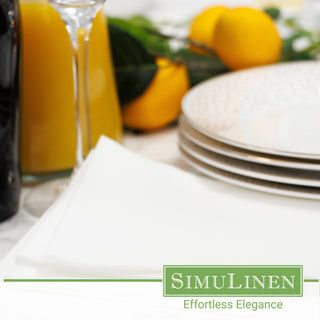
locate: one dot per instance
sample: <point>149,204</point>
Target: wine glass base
<point>40,198</point>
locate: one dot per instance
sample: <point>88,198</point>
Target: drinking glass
<point>78,16</point>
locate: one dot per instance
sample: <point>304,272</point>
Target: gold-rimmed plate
<point>213,145</point>
<point>273,110</point>
<point>252,170</point>
<point>251,183</point>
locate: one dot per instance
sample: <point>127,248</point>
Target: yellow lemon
<point>203,27</point>
<point>246,37</point>
<point>160,104</point>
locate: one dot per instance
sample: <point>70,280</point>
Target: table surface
<point>160,146</point>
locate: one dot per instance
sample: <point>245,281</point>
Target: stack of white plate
<point>258,128</point>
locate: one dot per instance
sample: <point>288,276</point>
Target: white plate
<point>252,170</point>
<point>272,109</point>
<point>210,144</point>
<point>253,184</point>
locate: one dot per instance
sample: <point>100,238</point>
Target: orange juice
<point>48,130</point>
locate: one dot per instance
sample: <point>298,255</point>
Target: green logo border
<point>233,295</point>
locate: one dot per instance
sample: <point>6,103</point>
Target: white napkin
<point>30,247</point>
<point>127,216</point>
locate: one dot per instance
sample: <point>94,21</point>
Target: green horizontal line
<point>106,280</point>
<point>82,280</point>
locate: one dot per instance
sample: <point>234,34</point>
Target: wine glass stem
<point>80,41</point>
<point>78,16</point>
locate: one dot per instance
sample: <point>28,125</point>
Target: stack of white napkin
<point>124,216</point>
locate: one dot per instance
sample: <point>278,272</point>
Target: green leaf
<point>297,29</point>
<point>142,22</point>
<point>287,48</point>
<point>134,66</point>
<point>288,52</point>
<point>273,12</point>
<point>143,30</point>
<point>200,66</point>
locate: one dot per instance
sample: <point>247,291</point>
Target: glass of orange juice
<point>48,126</point>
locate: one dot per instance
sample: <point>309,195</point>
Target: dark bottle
<point>9,104</point>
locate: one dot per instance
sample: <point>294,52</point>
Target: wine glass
<point>78,16</point>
